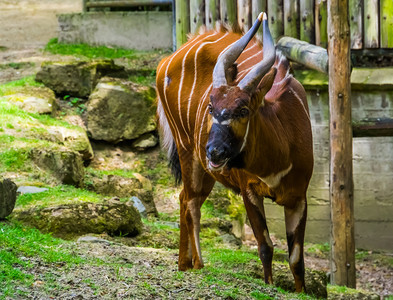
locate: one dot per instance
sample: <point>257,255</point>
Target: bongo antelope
<point>230,111</point>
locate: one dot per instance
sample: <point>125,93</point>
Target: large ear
<point>266,83</point>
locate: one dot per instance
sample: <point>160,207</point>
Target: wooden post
<point>197,14</point>
<point>212,12</point>
<point>311,56</point>
<point>355,23</point>
<point>341,183</point>
<point>291,18</point>
<point>275,16</point>
<point>228,11</point>
<point>84,6</point>
<point>244,14</point>
<point>321,23</point>
<point>307,27</point>
<point>182,22</point>
<point>386,24</point>
<point>257,7</point>
<point>371,22</point>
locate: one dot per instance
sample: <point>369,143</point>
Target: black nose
<point>216,154</point>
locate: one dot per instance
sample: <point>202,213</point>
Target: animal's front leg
<point>256,215</point>
<point>197,186</point>
<point>295,222</point>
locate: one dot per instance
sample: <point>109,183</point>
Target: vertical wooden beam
<point>257,7</point>
<point>275,15</point>
<point>212,13</point>
<point>341,183</point>
<point>321,23</point>
<point>228,11</point>
<point>307,26</point>
<point>371,24</point>
<point>84,6</point>
<point>182,21</point>
<point>291,18</point>
<point>197,14</point>
<point>356,23</point>
<point>386,24</point>
<point>244,14</point>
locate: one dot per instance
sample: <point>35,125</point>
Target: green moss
<point>312,78</point>
<point>85,50</point>
<point>24,82</point>
<point>58,195</point>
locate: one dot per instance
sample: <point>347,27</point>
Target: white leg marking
<point>293,216</point>
<point>295,255</point>
<point>274,180</point>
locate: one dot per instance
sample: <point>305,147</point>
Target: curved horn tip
<point>264,17</point>
<point>260,16</point>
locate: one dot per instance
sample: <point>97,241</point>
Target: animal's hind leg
<point>295,222</point>
<point>256,215</point>
<point>197,186</point>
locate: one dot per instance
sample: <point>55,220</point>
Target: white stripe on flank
<point>170,116</point>
<point>273,180</point>
<point>196,74</point>
<point>181,81</point>
<point>200,132</point>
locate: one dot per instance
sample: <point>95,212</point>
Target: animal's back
<point>184,81</point>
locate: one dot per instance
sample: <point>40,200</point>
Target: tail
<point>168,143</point>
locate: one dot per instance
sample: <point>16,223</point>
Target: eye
<point>244,112</point>
<point>210,108</point>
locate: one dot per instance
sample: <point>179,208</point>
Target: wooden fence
<point>371,21</point>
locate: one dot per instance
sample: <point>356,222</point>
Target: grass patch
<point>88,51</point>
<point>26,81</point>
<point>17,66</point>
<point>58,195</point>
<point>20,247</point>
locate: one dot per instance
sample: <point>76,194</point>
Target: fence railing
<point>371,21</point>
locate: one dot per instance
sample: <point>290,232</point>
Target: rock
<point>112,217</point>
<point>146,141</point>
<point>66,165</point>
<point>122,187</point>
<point>231,241</point>
<point>120,110</point>
<point>39,100</point>
<point>139,206</point>
<point>344,293</point>
<point>76,78</point>
<point>7,197</point>
<point>30,190</point>
<point>73,139</point>
<point>92,239</point>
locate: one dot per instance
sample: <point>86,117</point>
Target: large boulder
<point>76,78</point>
<point>120,110</point>
<point>65,165</point>
<point>7,197</point>
<point>112,217</point>
<point>39,100</point>
<point>122,187</point>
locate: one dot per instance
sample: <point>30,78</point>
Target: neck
<point>266,149</point>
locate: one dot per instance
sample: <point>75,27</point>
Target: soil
<point>25,27</point>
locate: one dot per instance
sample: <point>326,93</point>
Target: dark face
<point>229,123</point>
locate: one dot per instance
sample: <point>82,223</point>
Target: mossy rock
<point>120,110</point>
<point>7,197</point>
<point>77,78</point>
<point>65,165</point>
<point>39,100</point>
<point>112,217</point>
